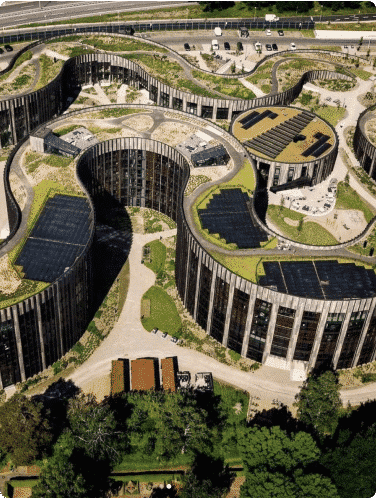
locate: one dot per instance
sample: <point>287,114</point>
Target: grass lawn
<point>163,312</point>
<point>166,70</point>
<point>145,477</point>
<point>66,129</point>
<point>140,461</point>
<point>156,260</point>
<point>331,114</point>
<point>115,113</point>
<point>23,483</point>
<point>311,233</point>
<point>347,198</point>
<point>361,73</point>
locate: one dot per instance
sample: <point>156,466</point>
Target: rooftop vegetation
<point>348,198</point>
<point>306,232</point>
<point>48,70</point>
<point>227,86</point>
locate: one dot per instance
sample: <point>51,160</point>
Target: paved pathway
<point>255,89</point>
<point>102,96</point>
<point>121,93</point>
<point>4,223</point>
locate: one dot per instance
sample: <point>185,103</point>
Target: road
<point>12,15</point>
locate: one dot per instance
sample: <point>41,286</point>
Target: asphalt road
<point>14,15</point>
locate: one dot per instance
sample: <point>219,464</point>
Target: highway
<point>13,15</point>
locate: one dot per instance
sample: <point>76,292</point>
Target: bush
<point>234,355</point>
<point>255,366</point>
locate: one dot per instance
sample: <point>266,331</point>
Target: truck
<point>215,45</point>
<point>217,31</point>
<point>271,17</point>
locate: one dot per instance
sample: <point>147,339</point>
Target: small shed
<point>210,157</point>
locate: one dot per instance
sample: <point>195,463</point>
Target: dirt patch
<point>139,123</point>
<point>100,387</point>
<point>18,189</point>
<point>173,133</point>
<point>343,224</point>
<point>9,279</point>
<point>289,221</point>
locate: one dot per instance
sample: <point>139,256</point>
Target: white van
<point>215,45</point>
<point>217,31</point>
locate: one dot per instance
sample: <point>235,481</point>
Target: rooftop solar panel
<point>249,117</point>
<point>256,119</point>
<point>318,152</point>
<point>62,229</point>
<point>312,149</point>
<point>320,279</point>
<point>227,214</point>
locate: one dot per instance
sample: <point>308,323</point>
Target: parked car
<point>227,46</point>
<point>174,339</point>
<point>155,330</point>
<point>8,48</point>
<point>186,46</point>
<point>275,46</point>
<point>268,32</point>
<point>268,47</point>
<point>292,46</point>
<point>280,32</point>
<point>164,335</point>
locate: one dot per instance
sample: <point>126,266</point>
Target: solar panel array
<point>319,147</point>
<point>255,117</point>
<point>274,141</point>
<point>320,279</point>
<point>57,238</point>
<point>227,214</point>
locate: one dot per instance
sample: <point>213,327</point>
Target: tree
<point>24,433</point>
<point>59,479</point>
<point>351,465</point>
<point>319,402</point>
<point>278,465</point>
<point>94,428</point>
<point>208,477</point>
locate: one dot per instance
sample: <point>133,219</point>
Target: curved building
<point>296,317</point>
<point>287,143</point>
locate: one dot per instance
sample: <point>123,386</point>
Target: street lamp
<point>255,13</point>
<point>320,11</point>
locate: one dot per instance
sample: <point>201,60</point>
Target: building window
<point>282,331</point>
<point>350,344</point>
<point>259,329</point>
<point>239,313</point>
<point>306,337</point>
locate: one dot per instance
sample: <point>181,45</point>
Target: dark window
<point>207,111</point>
<point>9,368</point>
<point>353,333</point>
<point>204,296</point>
<point>282,331</point>
<point>192,108</point>
<point>290,174</point>
<point>177,103</point>
<point>276,176</point>
<point>30,343</point>
<point>219,309</point>
<point>222,113</point>
<point>165,99</point>
<point>238,320</point>
<point>369,343</point>
<point>192,278</point>
<point>306,337</point>
<point>329,338</point>
<point>259,329</point>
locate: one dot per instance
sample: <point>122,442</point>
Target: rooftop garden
<point>348,198</point>
<point>245,180</point>
<point>48,70</point>
<point>227,86</point>
<point>293,225</point>
<point>293,152</point>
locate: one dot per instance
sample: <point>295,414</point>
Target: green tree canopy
<point>165,424</point>
<point>351,465</point>
<point>208,477</point>
<point>94,428</point>
<point>278,465</point>
<point>319,402</point>
<point>59,479</point>
<point>24,433</point>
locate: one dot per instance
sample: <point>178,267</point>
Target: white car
<point>268,32</point>
<point>292,46</point>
